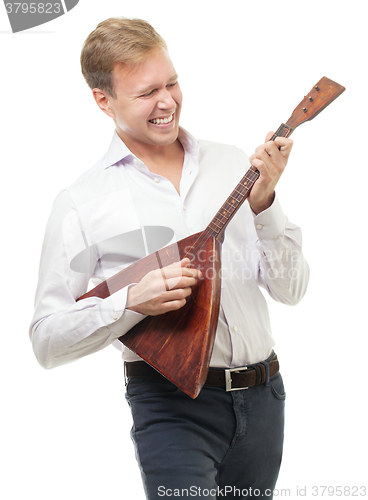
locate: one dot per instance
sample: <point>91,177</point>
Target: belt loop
<point>265,364</point>
<point>125,374</point>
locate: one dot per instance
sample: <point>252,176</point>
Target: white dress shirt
<point>119,211</point>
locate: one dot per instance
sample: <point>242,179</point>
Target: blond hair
<point>116,40</point>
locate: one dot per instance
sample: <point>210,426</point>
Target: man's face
<point>148,102</point>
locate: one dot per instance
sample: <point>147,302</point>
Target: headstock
<point>321,95</point>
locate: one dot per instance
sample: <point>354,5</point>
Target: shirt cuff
<point>113,308</point>
<point>126,322</point>
<point>271,222</point>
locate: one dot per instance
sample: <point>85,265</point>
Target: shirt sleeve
<point>283,270</point>
<point>62,329</point>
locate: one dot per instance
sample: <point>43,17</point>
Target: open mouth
<point>162,121</point>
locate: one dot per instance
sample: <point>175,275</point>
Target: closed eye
<point>148,93</point>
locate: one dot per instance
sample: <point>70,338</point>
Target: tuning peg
<point>305,110</point>
<point>316,87</point>
<point>311,99</point>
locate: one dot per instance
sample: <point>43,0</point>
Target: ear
<point>103,102</point>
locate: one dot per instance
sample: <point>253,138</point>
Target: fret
<point>218,225</point>
<point>214,222</point>
<point>221,215</point>
<point>233,203</point>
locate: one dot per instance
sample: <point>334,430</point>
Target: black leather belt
<point>231,379</point>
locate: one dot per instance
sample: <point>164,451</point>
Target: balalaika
<point>162,340</point>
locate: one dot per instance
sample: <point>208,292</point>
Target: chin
<point>166,140</point>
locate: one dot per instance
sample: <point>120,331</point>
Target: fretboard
<point>218,224</point>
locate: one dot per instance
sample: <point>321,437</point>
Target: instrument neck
<point>227,211</point>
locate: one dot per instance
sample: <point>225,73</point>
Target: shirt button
<point>115,315</point>
<point>259,226</point>
<point>135,161</point>
<point>184,207</point>
<point>156,180</point>
<point>235,328</point>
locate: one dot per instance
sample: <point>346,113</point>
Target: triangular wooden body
<point>179,344</point>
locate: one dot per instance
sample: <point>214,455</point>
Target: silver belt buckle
<point>228,378</point>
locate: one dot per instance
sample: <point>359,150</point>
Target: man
<point>155,174</point>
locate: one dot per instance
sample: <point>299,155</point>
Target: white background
<point>243,67</point>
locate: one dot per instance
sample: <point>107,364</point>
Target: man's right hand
<point>163,290</point>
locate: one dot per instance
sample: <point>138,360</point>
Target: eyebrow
<point>146,89</point>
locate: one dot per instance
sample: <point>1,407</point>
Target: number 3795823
<point>33,8</point>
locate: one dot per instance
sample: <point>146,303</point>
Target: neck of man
<point>154,153</point>
<point>165,160</point>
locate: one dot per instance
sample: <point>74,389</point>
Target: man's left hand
<point>270,159</point>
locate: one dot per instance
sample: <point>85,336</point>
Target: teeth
<point>158,121</point>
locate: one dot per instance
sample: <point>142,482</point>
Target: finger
<point>185,262</point>
<point>175,272</point>
<point>173,300</point>
<point>270,166</point>
<point>270,155</point>
<point>259,165</point>
<point>284,145</point>
<point>270,147</point>
<point>174,305</point>
<point>169,278</point>
<point>154,301</point>
<point>178,264</point>
<point>176,294</point>
<point>160,306</point>
<point>184,282</point>
<point>265,154</point>
<point>269,135</point>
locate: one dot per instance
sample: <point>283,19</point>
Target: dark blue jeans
<point>219,445</point>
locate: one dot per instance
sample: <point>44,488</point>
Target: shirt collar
<point>118,151</point>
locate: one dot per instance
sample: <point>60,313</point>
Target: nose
<point>165,100</point>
